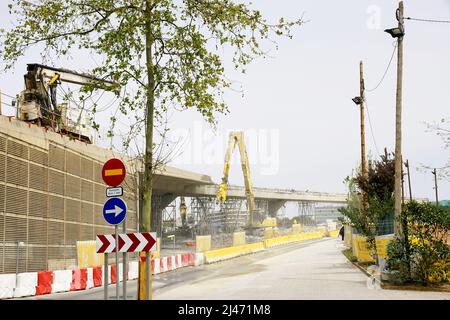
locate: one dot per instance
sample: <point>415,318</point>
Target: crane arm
<point>66,75</point>
<point>237,138</point>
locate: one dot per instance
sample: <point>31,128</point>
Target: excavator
<point>237,138</point>
<point>37,103</point>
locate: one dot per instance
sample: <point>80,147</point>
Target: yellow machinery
<point>237,138</point>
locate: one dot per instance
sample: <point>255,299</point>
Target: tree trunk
<point>144,292</point>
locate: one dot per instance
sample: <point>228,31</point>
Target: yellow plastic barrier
<point>202,243</point>
<point>297,228</point>
<point>382,243</point>
<point>347,236</point>
<point>334,233</point>
<point>360,249</point>
<point>87,255</point>
<point>238,238</point>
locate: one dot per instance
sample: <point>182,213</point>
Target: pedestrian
<point>341,232</point>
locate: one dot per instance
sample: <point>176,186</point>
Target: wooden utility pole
<point>435,186</point>
<point>363,134</point>
<point>398,128</point>
<point>409,179</point>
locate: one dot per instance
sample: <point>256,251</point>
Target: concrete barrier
<point>62,280</point>
<point>202,243</point>
<point>26,284</point>
<point>7,285</point>
<point>199,259</point>
<point>238,238</point>
<point>133,270</point>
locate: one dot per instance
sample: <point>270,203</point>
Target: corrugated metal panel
<point>37,231</point>
<point>37,259</point>
<point>56,207</point>
<point>38,204</point>
<point>16,201</point>
<point>98,172</point>
<point>2,167</point>
<point>2,144</point>
<point>73,163</point>
<point>56,182</point>
<point>87,167</point>
<point>87,233</point>
<point>72,232</point>
<point>38,177</point>
<point>17,149</point>
<point>72,210</point>
<point>2,229</point>
<point>17,172</point>
<point>99,194</point>
<point>2,198</point>
<point>87,190</point>
<point>55,233</point>
<point>56,157</point>
<point>15,229</point>
<point>72,187</point>
<point>98,215</point>
<point>10,259</point>
<point>38,156</point>
<point>87,215</point>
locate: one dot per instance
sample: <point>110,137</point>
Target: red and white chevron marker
<point>106,243</point>
<point>129,242</point>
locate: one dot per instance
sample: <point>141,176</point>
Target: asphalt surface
<point>311,270</point>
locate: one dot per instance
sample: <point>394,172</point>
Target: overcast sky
<point>302,128</point>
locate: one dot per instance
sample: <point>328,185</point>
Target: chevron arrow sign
<point>128,242</point>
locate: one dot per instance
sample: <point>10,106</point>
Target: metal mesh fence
<point>49,199</point>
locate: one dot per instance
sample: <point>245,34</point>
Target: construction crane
<point>237,138</point>
<point>37,103</point>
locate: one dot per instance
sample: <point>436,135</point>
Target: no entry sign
<point>113,172</point>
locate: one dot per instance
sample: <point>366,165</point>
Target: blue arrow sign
<point>114,211</point>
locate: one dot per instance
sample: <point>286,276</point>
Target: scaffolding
<point>307,214</point>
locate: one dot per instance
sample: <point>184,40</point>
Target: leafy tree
<point>163,53</point>
<point>161,50</point>
<point>378,186</point>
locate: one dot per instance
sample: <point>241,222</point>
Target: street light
<point>396,32</point>
<point>357,100</point>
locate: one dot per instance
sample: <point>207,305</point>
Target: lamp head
<point>357,100</point>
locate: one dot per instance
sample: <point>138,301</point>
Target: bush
<point>425,256</point>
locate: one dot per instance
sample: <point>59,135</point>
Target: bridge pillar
<point>274,206</point>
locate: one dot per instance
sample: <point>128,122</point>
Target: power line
<point>428,20</point>
<point>386,71</point>
<point>6,95</point>
<point>371,128</point>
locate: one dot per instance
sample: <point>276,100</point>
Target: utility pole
<point>398,127</point>
<point>363,134</point>
<point>435,186</point>
<point>409,179</point>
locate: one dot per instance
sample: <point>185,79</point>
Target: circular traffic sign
<point>114,211</point>
<point>113,172</point>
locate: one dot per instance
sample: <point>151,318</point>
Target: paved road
<point>313,270</point>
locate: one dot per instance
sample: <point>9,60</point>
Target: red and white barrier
<point>90,278</point>
<point>156,266</point>
<point>7,285</point>
<point>44,282</point>
<point>133,270</point>
<point>26,284</point>
<point>97,276</point>
<point>199,259</point>
<point>79,279</point>
<point>39,283</point>
<point>62,280</point>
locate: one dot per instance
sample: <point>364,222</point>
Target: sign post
<point>114,212</point>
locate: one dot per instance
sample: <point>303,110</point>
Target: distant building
<point>324,213</point>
